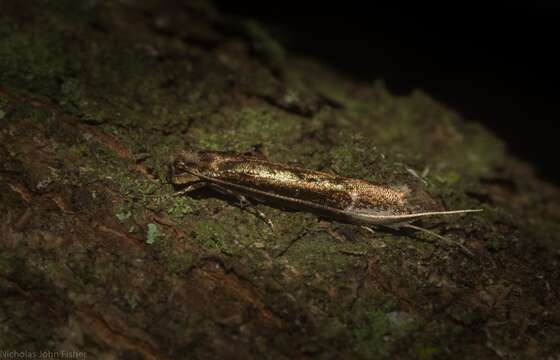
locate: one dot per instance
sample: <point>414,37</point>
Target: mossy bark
<point>98,257</point>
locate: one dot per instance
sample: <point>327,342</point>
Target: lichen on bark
<point>98,256</point>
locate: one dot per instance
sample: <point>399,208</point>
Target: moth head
<point>189,165</point>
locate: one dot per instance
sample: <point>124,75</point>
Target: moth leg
<point>190,187</point>
<point>368,229</point>
<point>244,204</point>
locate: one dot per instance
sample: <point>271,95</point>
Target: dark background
<point>495,65</point>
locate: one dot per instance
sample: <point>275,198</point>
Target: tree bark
<point>98,259</point>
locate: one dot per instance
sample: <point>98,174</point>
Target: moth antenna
<point>447,240</point>
<point>450,212</point>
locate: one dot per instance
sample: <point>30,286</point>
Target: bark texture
<point>97,255</point>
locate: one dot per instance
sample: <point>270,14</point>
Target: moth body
<point>335,197</point>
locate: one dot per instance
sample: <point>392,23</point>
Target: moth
<point>331,196</point>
